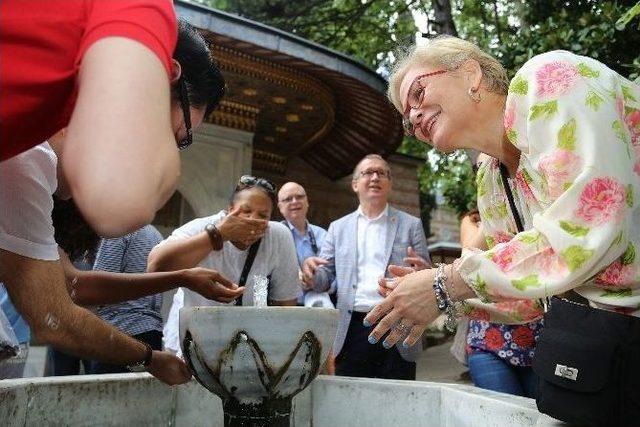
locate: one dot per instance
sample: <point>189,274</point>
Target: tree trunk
<point>443,19</point>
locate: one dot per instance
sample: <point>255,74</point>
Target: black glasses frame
<point>186,111</point>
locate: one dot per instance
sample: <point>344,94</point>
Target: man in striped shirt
<point>139,318</point>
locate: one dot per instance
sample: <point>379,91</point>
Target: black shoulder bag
<point>587,360</point>
<point>253,250</point>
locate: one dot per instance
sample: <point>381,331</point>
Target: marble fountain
<point>257,367</point>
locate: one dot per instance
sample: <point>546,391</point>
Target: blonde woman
<point>560,201</point>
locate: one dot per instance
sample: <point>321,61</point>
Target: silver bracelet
<point>444,300</point>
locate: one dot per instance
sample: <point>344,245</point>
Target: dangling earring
<point>474,95</point>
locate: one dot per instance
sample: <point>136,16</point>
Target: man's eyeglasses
<point>248,181</point>
<point>293,198</point>
<point>415,97</point>
<point>382,174</point>
<point>186,111</point>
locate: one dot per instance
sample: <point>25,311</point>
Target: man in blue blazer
<point>357,251</point>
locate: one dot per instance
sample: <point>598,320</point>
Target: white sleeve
<point>27,183</point>
<point>285,284</point>
<point>171,330</point>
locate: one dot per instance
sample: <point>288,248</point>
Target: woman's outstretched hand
<point>406,311</point>
<point>410,304</point>
<point>211,284</point>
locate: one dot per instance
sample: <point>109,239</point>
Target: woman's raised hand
<point>236,228</point>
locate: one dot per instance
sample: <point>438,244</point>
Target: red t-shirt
<point>41,47</point>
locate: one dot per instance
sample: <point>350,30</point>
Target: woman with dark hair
<point>241,243</point>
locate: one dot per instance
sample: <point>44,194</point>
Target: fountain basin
<point>139,399</point>
<point>256,359</point>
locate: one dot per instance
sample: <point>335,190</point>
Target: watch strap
<point>214,236</point>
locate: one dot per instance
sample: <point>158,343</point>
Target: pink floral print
<point>559,168</point>
<point>577,126</point>
<point>479,314</point>
<point>522,183</point>
<point>601,200</point>
<point>632,121</point>
<point>502,237</point>
<point>551,265</point>
<point>616,275</point>
<point>525,308</point>
<point>505,255</point>
<point>509,116</point>
<point>556,78</point>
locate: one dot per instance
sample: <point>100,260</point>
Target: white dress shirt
<point>372,236</point>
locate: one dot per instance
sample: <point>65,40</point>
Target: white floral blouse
<point>577,189</point>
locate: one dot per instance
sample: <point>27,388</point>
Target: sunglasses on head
<point>251,181</point>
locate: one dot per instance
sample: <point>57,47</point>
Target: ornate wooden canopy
<point>299,98</point>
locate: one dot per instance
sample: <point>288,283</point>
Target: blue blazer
<point>340,248</point>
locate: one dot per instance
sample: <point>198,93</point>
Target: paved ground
<point>437,364</point>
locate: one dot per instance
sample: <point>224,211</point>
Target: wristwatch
<point>214,236</point>
<point>143,365</point>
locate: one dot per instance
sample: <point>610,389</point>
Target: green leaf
<point>512,136</point>
<point>629,196</point>
<point>574,229</point>
<point>567,136</point>
<point>490,242</point>
<point>526,282</point>
<point>594,100</point>
<point>628,16</point>
<point>575,256</point>
<point>547,109</point>
<point>618,238</point>
<point>626,94</point>
<point>618,129</point>
<point>567,185</point>
<point>519,86</point>
<point>526,176</point>
<point>629,255</point>
<point>501,209</point>
<point>585,71</point>
<point>529,238</point>
<point>480,286</point>
<point>616,293</point>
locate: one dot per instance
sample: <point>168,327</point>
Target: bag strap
<point>312,237</point>
<point>312,240</point>
<point>253,250</point>
<point>512,204</point>
<point>516,217</point>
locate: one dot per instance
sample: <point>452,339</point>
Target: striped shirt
<point>128,254</point>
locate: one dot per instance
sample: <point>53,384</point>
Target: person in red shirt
<point>105,68</point>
